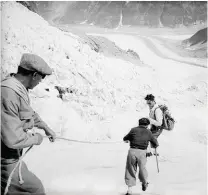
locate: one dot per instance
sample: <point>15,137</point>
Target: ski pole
<point>156,160</point>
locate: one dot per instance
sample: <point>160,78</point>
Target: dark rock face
<point>111,14</point>
<point>30,5</point>
<point>199,37</point>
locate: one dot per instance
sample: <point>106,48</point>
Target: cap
<point>144,121</point>
<point>35,63</point>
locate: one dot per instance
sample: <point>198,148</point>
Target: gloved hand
<point>39,138</point>
<point>148,154</point>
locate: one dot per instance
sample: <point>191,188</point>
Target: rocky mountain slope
<point>112,14</point>
<point>197,44</point>
<point>99,87</point>
<point>103,85</point>
<point>199,38</point>
<point>193,46</point>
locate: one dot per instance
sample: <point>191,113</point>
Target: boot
<point>144,186</point>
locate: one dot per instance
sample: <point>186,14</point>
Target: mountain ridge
<point>110,14</point>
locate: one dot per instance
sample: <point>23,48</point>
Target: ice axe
<point>156,160</point>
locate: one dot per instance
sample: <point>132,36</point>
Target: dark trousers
<point>31,186</point>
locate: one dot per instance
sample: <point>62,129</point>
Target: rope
<point>86,142</point>
<point>11,174</point>
<point>21,181</point>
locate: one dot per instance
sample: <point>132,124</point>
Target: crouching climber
<point>17,117</point>
<point>139,138</point>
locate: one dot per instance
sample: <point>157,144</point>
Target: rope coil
<point>20,175</point>
<point>21,181</point>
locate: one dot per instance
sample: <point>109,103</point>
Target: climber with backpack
<point>159,117</point>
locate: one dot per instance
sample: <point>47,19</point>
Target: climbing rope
<point>87,142</point>
<point>21,181</point>
<point>20,175</point>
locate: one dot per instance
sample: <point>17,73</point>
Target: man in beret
<point>17,117</point>
<point>139,138</point>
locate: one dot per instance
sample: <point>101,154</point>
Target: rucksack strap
<point>154,112</point>
<point>156,129</point>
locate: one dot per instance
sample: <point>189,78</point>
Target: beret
<point>144,121</point>
<point>35,63</point>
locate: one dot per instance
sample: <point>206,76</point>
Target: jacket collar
<point>12,83</point>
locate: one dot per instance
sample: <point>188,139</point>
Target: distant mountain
<point>111,14</point>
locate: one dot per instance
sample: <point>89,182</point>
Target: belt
<point>5,161</point>
<point>138,148</point>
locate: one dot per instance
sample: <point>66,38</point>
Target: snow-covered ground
<point>108,102</point>
<point>183,160</point>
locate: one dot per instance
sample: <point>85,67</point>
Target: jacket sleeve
<point>38,122</point>
<point>153,140</point>
<point>12,133</point>
<point>127,137</point>
<point>159,118</point>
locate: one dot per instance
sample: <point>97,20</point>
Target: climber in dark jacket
<point>139,137</point>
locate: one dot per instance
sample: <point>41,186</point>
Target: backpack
<point>168,121</point>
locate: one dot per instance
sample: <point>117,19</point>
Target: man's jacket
<point>16,118</point>
<point>139,138</point>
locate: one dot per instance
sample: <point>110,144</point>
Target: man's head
<point>32,69</point>
<point>144,122</point>
<point>150,100</point>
